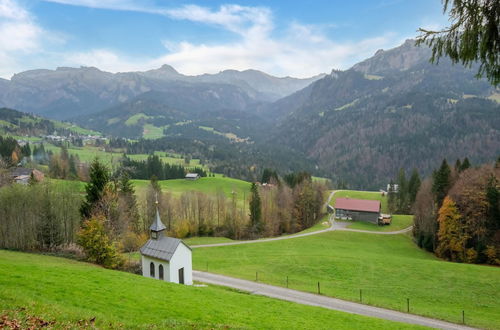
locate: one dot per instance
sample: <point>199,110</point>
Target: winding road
<point>334,225</point>
<point>314,299</point>
<point>321,301</point>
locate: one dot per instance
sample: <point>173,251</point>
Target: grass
<point>132,120</point>
<point>152,132</point>
<point>68,291</point>
<point>372,195</point>
<point>399,222</point>
<point>388,270</point>
<point>88,153</point>
<point>373,77</point>
<point>207,185</point>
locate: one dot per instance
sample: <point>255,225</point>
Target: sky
<point>282,37</point>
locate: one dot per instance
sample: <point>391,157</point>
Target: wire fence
<point>369,295</point>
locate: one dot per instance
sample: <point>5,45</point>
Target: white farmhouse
<point>166,258</point>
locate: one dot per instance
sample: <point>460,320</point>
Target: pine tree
<point>99,178</point>
<point>465,164</point>
<point>255,210</point>
<point>402,195</point>
<point>441,182</point>
<point>458,166</point>
<point>472,37</point>
<point>413,186</point>
<point>128,203</point>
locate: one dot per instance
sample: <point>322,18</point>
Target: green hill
<point>13,122</point>
<point>73,293</point>
<point>387,268</point>
<point>208,185</point>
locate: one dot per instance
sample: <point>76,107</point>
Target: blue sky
<point>295,38</point>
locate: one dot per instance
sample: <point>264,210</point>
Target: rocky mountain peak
<point>397,59</point>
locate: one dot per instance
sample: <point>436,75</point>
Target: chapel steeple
<point>157,227</point>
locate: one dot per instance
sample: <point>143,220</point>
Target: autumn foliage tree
<point>452,237</point>
<point>97,245</point>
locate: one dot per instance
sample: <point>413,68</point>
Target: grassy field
<point>88,153</point>
<point>208,185</point>
<point>67,291</point>
<point>388,270</point>
<point>373,195</point>
<point>399,222</point>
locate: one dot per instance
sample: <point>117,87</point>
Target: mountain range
<point>70,92</point>
<point>393,110</point>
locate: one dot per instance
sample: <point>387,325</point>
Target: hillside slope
<point>68,292</point>
<point>392,111</point>
<point>70,92</point>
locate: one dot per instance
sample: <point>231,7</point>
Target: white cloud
<point>19,35</point>
<point>301,51</point>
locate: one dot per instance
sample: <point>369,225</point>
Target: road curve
<point>333,226</point>
<point>321,301</point>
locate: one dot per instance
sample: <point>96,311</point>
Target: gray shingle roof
<point>161,248</point>
<point>157,224</point>
<point>18,171</point>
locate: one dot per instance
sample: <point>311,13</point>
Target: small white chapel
<point>166,258</point>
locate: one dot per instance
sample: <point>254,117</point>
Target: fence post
<point>407,305</point>
<point>319,291</point>
<point>256,276</point>
<point>463,317</point>
<point>360,295</point>
<point>287,282</point>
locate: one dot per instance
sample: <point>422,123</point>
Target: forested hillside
<point>392,111</point>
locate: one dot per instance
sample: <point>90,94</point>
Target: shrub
<point>96,244</point>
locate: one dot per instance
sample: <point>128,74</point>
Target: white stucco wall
<point>146,261</point>
<point>181,258</point>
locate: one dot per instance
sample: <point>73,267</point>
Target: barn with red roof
<point>357,209</point>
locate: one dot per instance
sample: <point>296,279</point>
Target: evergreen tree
<point>255,209</point>
<point>402,195</point>
<point>413,186</point>
<point>473,36</point>
<point>73,173</point>
<point>391,198</point>
<point>99,178</point>
<point>458,166</point>
<point>441,182</point>
<point>128,204</point>
<point>465,164</point>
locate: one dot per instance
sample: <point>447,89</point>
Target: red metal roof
<point>357,205</point>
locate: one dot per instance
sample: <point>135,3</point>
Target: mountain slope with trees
<point>394,110</point>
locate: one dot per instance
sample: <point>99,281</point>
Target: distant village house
<point>22,175</point>
<point>192,176</point>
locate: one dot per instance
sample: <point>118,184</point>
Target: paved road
<point>333,226</point>
<point>321,301</point>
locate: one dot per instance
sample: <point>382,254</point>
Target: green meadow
<point>387,269</point>
<point>207,185</point>
<point>67,291</point>
<point>399,221</point>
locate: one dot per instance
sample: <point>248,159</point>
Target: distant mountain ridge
<point>71,92</point>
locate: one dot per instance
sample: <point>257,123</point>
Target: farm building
<point>22,175</point>
<point>357,209</point>
<point>192,176</point>
<point>166,258</point>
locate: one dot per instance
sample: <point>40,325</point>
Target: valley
<point>278,165</point>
